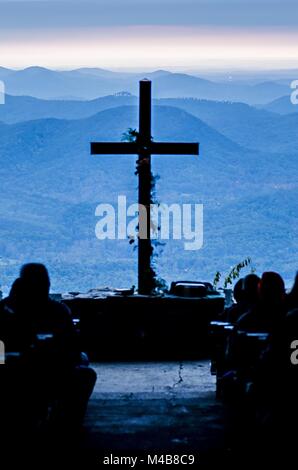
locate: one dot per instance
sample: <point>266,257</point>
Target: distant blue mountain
<point>83,83</point>
<point>50,187</point>
<point>255,129</point>
<point>282,105</point>
<point>27,108</point>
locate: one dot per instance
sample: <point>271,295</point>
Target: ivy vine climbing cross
<point>144,147</point>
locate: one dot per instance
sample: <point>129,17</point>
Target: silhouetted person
<point>15,331</point>
<point>251,290</point>
<point>277,384</point>
<point>20,403</point>
<point>55,359</point>
<point>246,297</point>
<point>238,291</point>
<point>270,308</point>
<point>231,314</point>
<point>265,316</point>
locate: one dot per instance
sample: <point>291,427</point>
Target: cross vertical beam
<point>145,281</point>
<point>144,147</point>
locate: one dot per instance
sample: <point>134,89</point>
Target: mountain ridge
<point>46,83</point>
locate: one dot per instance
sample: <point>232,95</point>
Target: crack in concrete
<point>172,400</point>
<point>180,378</point>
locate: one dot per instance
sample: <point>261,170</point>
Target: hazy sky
<point>153,33</point>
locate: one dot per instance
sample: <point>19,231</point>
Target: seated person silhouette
<point>270,308</point>
<point>251,290</point>
<point>232,313</point>
<point>245,294</point>
<point>265,317</point>
<point>15,331</point>
<point>16,399</point>
<point>278,372</point>
<point>55,358</point>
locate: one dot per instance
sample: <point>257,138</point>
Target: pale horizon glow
<point>212,34</point>
<point>152,46</point>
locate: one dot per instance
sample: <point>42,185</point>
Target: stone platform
<point>135,327</point>
<point>139,409</point>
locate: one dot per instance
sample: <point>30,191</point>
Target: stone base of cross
<point>144,147</point>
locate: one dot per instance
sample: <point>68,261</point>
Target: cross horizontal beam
<point>114,148</point>
<point>173,148</point>
<point>154,148</point>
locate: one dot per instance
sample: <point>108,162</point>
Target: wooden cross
<point>144,147</point>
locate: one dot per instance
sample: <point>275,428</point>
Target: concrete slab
<point>154,407</point>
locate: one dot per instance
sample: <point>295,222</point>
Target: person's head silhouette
<point>238,291</point>
<point>37,280</point>
<point>271,288</point>
<point>17,294</point>
<point>251,288</point>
